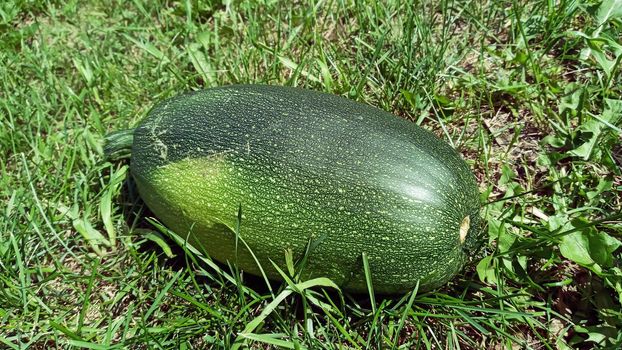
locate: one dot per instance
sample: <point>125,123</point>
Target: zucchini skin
<point>305,167</point>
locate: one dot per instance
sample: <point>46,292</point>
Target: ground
<point>529,92</point>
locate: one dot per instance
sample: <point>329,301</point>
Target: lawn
<point>529,92</point>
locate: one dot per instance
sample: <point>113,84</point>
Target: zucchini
<point>308,169</point>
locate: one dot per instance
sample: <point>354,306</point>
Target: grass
<point>528,91</point>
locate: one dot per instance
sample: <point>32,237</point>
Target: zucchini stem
<point>119,144</point>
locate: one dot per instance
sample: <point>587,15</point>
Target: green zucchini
<point>308,169</point>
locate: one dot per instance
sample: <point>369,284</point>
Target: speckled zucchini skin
<point>308,166</point>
